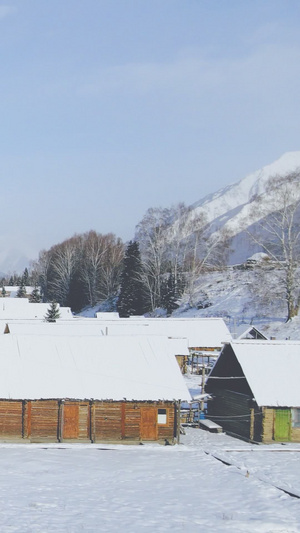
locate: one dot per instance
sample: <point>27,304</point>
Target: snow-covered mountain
<point>229,207</point>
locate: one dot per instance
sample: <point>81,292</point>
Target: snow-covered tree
<point>35,296</point>
<point>22,290</point>
<point>278,232</point>
<point>52,313</point>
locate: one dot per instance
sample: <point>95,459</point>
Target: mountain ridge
<point>229,207</point>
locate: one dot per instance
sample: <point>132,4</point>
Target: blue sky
<point>109,107</point>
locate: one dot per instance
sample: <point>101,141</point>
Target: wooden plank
<point>44,420</point>
<point>123,411</point>
<point>70,421</point>
<point>11,423</point>
<point>210,426</point>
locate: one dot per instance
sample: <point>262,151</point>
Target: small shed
<point>255,389</point>
<point>90,389</point>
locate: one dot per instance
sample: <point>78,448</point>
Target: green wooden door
<point>282,430</point>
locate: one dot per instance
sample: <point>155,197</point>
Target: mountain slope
<point>241,296</point>
<point>229,208</point>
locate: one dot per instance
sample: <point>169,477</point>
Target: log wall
<point>96,421</point>
<point>268,425</point>
<point>11,419</point>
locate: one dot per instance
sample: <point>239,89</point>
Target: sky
<point>109,108</point>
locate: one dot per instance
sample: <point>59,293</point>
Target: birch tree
<point>151,234</point>
<point>100,266</point>
<point>64,264</point>
<point>278,232</point>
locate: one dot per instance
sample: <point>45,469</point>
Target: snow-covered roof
<point>102,368</point>
<point>176,346</point>
<point>200,332</point>
<point>252,333</point>
<point>21,308</point>
<point>272,369</point>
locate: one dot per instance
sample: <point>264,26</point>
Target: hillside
<point>229,208</point>
<point>239,295</point>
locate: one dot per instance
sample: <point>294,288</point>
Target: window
<point>162,416</point>
<point>296,418</point>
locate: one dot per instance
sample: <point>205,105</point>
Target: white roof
<point>175,346</point>
<point>21,308</point>
<point>102,368</point>
<point>200,332</point>
<point>272,369</point>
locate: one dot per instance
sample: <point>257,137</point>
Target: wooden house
<point>80,388</point>
<point>255,389</point>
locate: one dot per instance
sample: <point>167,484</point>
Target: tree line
<point>168,253</point>
<point>171,248</point>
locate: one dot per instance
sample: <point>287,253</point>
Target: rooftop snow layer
<point>272,370</point>
<point>102,368</point>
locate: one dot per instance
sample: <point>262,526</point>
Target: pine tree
<point>35,296</point>
<point>22,290</point>
<point>132,300</point>
<point>3,292</point>
<point>25,277</point>
<point>53,313</point>
<point>169,294</point>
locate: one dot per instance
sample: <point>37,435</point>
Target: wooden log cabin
<point>255,389</point>
<point>89,389</point>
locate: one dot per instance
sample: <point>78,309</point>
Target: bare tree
<point>40,273</point>
<point>205,253</point>
<point>93,252</point>
<point>111,266</point>
<point>151,234</point>
<point>64,262</point>
<point>278,232</point>
<point>174,241</point>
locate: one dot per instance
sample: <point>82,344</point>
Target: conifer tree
<point>35,296</point>
<point>53,313</point>
<point>131,300</point>
<point>22,290</point>
<point>3,292</point>
<point>25,277</point>
<point>169,294</point>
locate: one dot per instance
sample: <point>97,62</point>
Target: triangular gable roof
<point>103,368</point>
<point>252,333</point>
<point>271,368</point>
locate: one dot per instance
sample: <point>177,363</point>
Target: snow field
<point>152,488</point>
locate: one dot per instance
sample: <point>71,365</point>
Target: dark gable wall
<point>228,365</point>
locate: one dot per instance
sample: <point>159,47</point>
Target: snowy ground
<point>152,488</point>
